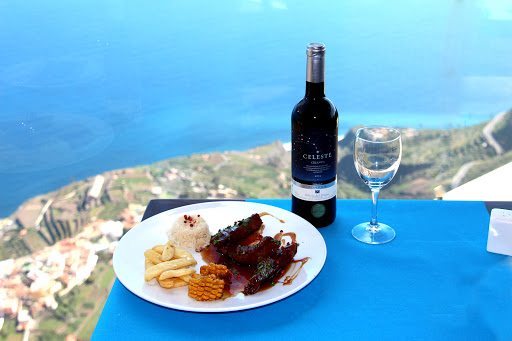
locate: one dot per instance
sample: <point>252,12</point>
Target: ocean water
<point>91,86</point>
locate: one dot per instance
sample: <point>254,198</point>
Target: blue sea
<point>91,86</point>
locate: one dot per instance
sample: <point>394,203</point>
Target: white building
<point>113,230</point>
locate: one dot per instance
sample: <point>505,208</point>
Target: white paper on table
<point>499,239</point>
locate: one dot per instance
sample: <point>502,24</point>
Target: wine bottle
<point>315,146</point>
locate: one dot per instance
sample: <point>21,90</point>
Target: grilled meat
<point>252,254</point>
<point>239,230</point>
<point>270,267</point>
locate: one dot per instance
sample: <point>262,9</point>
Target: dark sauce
<point>254,238</point>
<point>241,274</point>
<point>295,268</point>
<point>262,214</point>
<point>280,236</point>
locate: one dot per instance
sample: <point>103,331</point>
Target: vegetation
<point>430,158</point>
<point>8,331</point>
<point>483,167</point>
<point>15,248</point>
<point>502,132</point>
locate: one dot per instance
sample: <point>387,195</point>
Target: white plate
<point>129,254</point>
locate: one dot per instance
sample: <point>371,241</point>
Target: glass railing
<point>106,105</point>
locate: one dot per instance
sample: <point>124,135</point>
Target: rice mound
<point>189,231</point>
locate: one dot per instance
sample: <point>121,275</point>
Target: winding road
<point>489,128</point>
<point>487,132</point>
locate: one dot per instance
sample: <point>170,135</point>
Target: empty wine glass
<point>377,155</point>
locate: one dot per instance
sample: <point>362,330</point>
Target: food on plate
<point>176,273</point>
<point>259,262</point>
<point>148,264</point>
<point>180,253</point>
<point>170,283</point>
<point>186,278</point>
<point>251,254</point>
<point>189,231</point>
<point>153,256</point>
<point>219,270</point>
<point>168,252</point>
<point>209,284</point>
<point>158,269</point>
<point>206,288</point>
<point>171,273</point>
<point>270,267</point>
<point>239,230</point>
<point>240,258</point>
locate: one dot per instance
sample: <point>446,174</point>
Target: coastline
<point>259,172</point>
<point>45,180</point>
<point>123,148</point>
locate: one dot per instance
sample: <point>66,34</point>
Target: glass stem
<point>374,225</point>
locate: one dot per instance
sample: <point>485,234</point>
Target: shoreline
<point>286,145</point>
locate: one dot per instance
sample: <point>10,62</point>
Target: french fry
<point>186,278</point>
<point>158,248</point>
<point>169,265</point>
<point>153,256</point>
<point>178,252</point>
<point>168,253</point>
<point>148,263</point>
<point>166,283</point>
<point>156,270</point>
<point>170,283</point>
<point>179,282</point>
<point>181,253</point>
<point>176,273</point>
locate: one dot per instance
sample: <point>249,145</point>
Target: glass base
<point>369,234</point>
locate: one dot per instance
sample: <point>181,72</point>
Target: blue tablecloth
<point>435,281</point>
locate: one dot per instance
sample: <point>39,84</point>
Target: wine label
<point>315,192</point>
<point>314,155</point>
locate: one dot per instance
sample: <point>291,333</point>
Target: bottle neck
<point>315,89</point>
<point>315,75</point>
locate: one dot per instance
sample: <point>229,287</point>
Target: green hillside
<point>431,158</point>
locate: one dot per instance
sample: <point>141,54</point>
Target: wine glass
<point>377,155</point>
